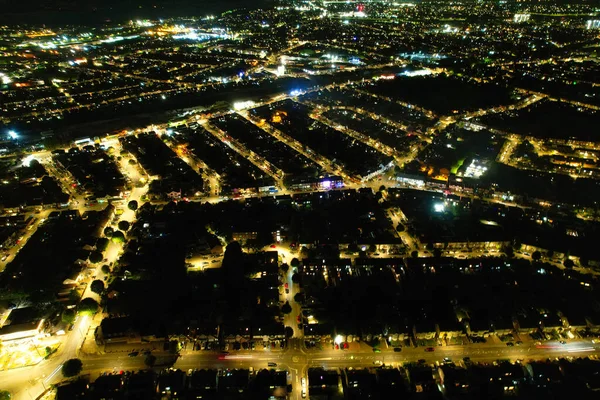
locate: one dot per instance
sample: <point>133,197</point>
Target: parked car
<point>429,349</point>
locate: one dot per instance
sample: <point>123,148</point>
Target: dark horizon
<point>98,12</point>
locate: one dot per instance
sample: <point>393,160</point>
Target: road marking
<point>53,373</point>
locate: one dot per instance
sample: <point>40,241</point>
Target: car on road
<point>397,349</point>
<point>376,350</point>
<point>4,257</point>
<point>429,349</point>
<point>303,393</point>
<point>447,360</point>
<point>134,354</point>
<point>510,344</point>
<point>562,342</point>
<point>272,364</point>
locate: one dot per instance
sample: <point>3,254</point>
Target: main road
<point>29,382</point>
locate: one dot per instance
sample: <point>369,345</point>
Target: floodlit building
<point>22,323</point>
<point>593,24</point>
<point>519,18</point>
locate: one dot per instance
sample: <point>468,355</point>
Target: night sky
<point>97,11</point>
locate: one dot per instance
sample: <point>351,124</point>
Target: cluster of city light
<point>5,78</point>
<point>475,170</point>
<point>242,105</point>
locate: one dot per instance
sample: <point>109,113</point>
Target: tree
<point>510,253</point>
<point>285,268</point>
<point>150,360</point>
<point>95,257</point>
<point>131,162</point>
<point>72,367</point>
<point>353,248</point>
<point>286,308</point>
<point>550,253</point>
<point>429,246</point>
<point>74,295</point>
<point>289,332</point>
<point>97,286</point>
<point>124,226</point>
<point>102,244</point>
<point>517,243</point>
<point>437,253</point>
<point>5,395</point>
<point>304,252</point>
<point>568,263</point>
<point>295,278</point>
<point>381,188</point>
<point>108,231</point>
<point>400,228</point>
<point>118,237</point>
<point>414,254</point>
<point>68,316</point>
<point>584,261</point>
<point>536,256</point>
<point>132,205</point>
<point>295,263</point>
<point>372,248</point>
<point>88,305</point>
<point>299,297</point>
<point>105,269</point>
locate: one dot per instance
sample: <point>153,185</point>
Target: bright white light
<point>280,70</point>
<point>5,79</point>
<point>27,160</point>
<point>169,132</point>
<point>439,207</point>
<point>338,339</point>
<point>240,105</point>
<point>13,134</point>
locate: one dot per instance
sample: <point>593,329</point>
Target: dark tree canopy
<point>569,263</point>
<point>118,237</point>
<point>97,286</point>
<point>536,256</point>
<point>299,297</point>
<point>295,278</point>
<point>102,244</point>
<point>132,205</point>
<point>95,257</point>
<point>88,305</point>
<point>285,268</point>
<point>295,262</point>
<point>124,226</point>
<point>68,316</point>
<point>414,254</point>
<point>108,231</point>
<point>286,308</point>
<point>289,332</point>
<point>72,367</point>
<point>105,269</point>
